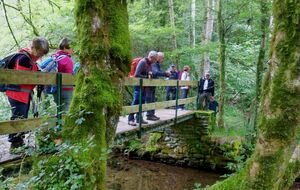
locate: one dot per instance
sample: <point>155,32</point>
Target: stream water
<point>126,174</point>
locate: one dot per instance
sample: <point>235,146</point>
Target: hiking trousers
<point>19,111</point>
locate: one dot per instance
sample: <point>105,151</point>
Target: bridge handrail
<point>23,125</point>
<point>8,76</point>
<point>39,78</point>
<point>156,105</point>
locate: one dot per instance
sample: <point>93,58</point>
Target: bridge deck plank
<point>164,114</point>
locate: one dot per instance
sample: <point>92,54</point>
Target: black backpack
<point>8,62</point>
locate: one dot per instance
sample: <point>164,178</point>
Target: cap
<point>172,65</point>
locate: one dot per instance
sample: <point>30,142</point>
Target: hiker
<point>171,90</point>
<point>19,99</point>
<point>185,76</point>
<point>206,90</point>
<point>65,65</point>
<point>143,70</point>
<point>150,91</point>
<point>213,105</point>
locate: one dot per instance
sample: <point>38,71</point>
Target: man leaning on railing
<point>143,70</point>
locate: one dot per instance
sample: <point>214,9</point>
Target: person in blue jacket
<point>171,90</point>
<point>213,105</point>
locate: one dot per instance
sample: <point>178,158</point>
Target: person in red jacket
<point>65,65</point>
<point>19,95</point>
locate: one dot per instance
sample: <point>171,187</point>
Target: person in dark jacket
<point>213,105</point>
<point>150,91</point>
<point>171,90</point>
<point>143,70</point>
<point>206,90</point>
<point>20,99</point>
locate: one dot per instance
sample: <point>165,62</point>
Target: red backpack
<point>134,63</point>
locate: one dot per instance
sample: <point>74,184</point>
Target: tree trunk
<point>193,24</point>
<point>261,56</point>
<point>172,23</point>
<point>208,27</point>
<point>103,34</point>
<point>222,51</point>
<point>276,161</point>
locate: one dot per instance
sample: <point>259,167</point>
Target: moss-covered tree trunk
<point>102,29</point>
<point>222,51</point>
<point>264,20</point>
<point>275,162</point>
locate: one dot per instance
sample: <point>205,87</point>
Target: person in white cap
<point>206,90</point>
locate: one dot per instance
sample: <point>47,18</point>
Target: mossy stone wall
<point>188,144</point>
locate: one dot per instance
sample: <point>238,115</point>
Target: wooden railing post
<point>176,106</point>
<point>59,100</point>
<point>140,108</point>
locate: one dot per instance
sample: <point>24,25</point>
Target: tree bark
<point>172,23</point>
<point>193,24</point>
<point>102,28</point>
<point>275,162</point>
<point>222,51</point>
<point>208,27</point>
<point>261,56</point>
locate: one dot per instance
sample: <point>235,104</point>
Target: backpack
<point>76,68</point>
<point>50,65</point>
<point>8,62</point>
<point>134,63</point>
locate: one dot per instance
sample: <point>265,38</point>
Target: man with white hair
<point>150,92</point>
<point>206,90</point>
<point>143,70</point>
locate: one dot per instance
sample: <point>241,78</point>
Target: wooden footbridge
<point>168,116</point>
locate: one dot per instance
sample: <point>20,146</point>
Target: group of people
<point>19,96</point>
<point>147,67</point>
<point>150,67</point>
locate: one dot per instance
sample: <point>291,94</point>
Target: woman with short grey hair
<point>19,95</point>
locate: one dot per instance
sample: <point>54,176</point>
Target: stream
<point>127,174</point>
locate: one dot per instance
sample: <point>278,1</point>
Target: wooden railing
<point>39,78</point>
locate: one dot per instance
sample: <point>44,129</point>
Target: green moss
<point>102,30</point>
